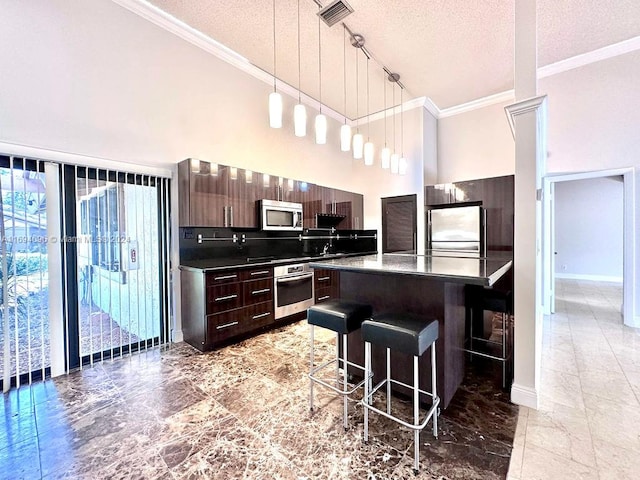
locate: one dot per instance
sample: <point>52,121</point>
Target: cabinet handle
<point>226,325</point>
<point>324,298</point>
<point>225,277</point>
<point>262,272</point>
<point>323,279</point>
<point>261,315</point>
<point>228,297</point>
<point>258,292</point>
<point>231,216</point>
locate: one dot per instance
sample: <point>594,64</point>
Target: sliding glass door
<point>110,267</point>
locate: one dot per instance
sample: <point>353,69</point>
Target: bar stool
<point>413,336</point>
<point>342,317</point>
<point>478,298</point>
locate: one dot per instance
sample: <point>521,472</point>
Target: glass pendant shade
<point>395,160</point>
<point>300,120</point>
<point>345,138</point>
<point>385,157</point>
<point>358,146</point>
<point>368,153</point>
<point>321,129</point>
<point>402,166</point>
<point>275,110</point>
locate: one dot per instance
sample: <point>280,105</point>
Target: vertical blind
<point>109,259</point>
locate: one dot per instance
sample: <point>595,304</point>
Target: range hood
<point>328,220</point>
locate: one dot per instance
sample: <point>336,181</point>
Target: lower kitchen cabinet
<point>221,305</point>
<point>326,284</point>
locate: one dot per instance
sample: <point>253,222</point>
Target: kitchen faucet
<point>325,249</point>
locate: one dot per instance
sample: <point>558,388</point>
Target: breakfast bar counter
<point>431,286</point>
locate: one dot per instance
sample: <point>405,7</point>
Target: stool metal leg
<point>504,350</point>
<point>416,414</point>
<point>311,367</point>
<point>344,382</point>
<point>388,380</point>
<point>367,372</point>
<point>433,388</point>
<point>337,359</point>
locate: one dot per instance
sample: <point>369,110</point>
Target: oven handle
<point>294,278</point>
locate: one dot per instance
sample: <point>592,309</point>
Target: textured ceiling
<point>452,51</point>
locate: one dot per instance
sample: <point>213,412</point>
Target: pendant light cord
<point>368,122</point>
<point>357,97</point>
<point>274,45</point>
<point>299,51</point>
<point>394,118</point>
<point>344,69</point>
<point>319,63</point>
<point>401,124</point>
<point>384,86</point>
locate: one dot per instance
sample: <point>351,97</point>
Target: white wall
<point>476,144</point>
<point>588,228</point>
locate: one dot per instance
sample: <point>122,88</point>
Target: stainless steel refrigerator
<point>456,228</point>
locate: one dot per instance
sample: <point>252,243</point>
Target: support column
<point>527,118</point>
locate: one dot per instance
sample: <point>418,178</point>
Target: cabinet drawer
<point>324,294</point>
<point>224,325</point>
<point>224,297</point>
<point>257,291</point>
<point>324,278</point>
<point>258,315</point>
<point>256,273</point>
<point>218,278</point>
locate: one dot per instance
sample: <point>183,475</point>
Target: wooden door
<point>208,194</point>
<point>399,224</point>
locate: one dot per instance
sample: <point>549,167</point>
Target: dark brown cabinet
<point>326,284</point>
<point>221,305</point>
<point>213,195</point>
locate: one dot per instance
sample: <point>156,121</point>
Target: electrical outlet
<point>564,267</point>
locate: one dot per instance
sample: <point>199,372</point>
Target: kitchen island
<point>431,286</point>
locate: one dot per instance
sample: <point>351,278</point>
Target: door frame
<point>401,198</point>
<point>629,241</point>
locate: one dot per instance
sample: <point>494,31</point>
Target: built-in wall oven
<point>293,289</point>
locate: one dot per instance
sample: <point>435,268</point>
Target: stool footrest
<point>432,410</point>
<point>340,391</point>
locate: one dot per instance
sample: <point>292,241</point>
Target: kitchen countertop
<point>216,264</point>
<point>459,268</point>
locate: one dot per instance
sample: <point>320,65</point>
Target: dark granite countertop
<point>216,264</point>
<point>451,267</point>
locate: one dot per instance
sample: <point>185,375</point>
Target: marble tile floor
<point>588,423</point>
<point>238,412</point>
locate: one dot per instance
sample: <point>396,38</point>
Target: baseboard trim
<point>592,278</point>
<point>177,336</point>
<point>525,396</point>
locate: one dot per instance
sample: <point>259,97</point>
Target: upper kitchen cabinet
<point>203,193</point>
<point>350,205</point>
<point>246,187</point>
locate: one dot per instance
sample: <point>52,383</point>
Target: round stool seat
<point>401,332</point>
<point>339,315</point>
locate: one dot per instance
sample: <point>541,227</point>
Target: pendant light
<point>358,141</point>
<point>385,154</point>
<point>345,130</point>
<point>275,99</point>
<point>321,119</point>
<point>402,163</point>
<point>368,147</point>
<point>299,111</point>
<point>395,160</point>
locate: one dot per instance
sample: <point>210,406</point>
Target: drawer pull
<point>226,325</point>
<point>324,298</point>
<point>255,317</point>
<point>324,279</point>
<point>262,272</point>
<point>258,292</point>
<point>228,297</point>
<point>225,277</point>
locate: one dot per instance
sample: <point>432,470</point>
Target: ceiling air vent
<point>335,11</point>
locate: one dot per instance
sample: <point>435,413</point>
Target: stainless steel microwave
<point>283,216</point>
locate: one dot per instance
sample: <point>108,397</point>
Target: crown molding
<point>476,104</point>
<point>520,108</point>
<point>604,53</point>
